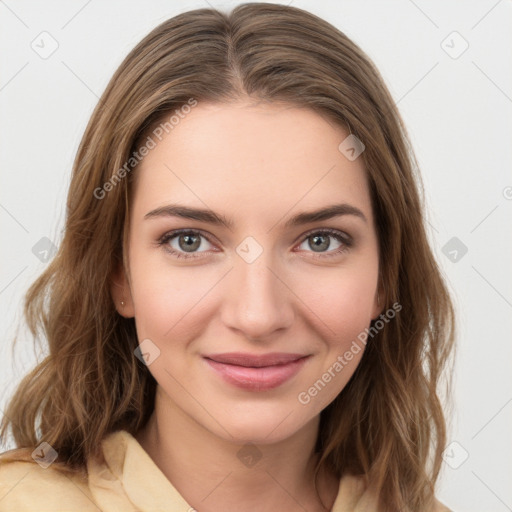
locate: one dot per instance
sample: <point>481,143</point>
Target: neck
<point>213,473</point>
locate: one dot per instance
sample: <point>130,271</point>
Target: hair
<point>387,425</point>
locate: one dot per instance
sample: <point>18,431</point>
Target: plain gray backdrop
<point>448,66</point>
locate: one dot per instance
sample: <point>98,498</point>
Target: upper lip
<point>255,360</point>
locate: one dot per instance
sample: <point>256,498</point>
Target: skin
<point>258,164</point>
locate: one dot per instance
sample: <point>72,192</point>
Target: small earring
<point>122,303</point>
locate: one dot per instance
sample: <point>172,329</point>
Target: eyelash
<point>338,235</point>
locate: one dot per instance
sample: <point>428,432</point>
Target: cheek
<point>165,298</point>
<point>342,300</point>
<point>343,309</point>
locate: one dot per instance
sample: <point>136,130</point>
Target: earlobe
<point>121,293</point>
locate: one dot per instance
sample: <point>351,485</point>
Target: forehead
<point>250,157</point>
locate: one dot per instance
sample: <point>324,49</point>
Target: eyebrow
<point>211,217</point>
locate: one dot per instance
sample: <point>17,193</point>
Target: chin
<point>258,427</point>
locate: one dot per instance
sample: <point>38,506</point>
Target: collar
<point>126,479</point>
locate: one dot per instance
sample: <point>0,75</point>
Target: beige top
<point>128,480</point>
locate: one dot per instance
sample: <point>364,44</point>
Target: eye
<point>186,242</point>
<point>319,240</point>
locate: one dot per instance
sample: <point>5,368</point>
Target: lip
<point>256,372</point>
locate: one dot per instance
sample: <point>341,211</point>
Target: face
<point>249,311</point>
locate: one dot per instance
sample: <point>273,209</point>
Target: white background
<point>457,111</point>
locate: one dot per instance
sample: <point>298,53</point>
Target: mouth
<point>256,372</point>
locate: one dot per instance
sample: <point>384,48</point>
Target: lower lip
<point>257,379</point>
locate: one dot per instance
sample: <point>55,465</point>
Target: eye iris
<point>190,244</point>
<point>320,245</point>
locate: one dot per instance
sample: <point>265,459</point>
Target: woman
<point>244,312</point>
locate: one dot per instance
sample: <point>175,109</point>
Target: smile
<point>256,372</point>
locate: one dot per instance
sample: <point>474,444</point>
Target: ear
<point>121,292</point>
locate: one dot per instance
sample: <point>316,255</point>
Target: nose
<point>258,301</point>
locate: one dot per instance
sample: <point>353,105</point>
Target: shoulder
<point>356,495</point>
<point>440,507</point>
<point>26,486</point>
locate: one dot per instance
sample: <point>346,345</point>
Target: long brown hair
<point>388,423</point>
